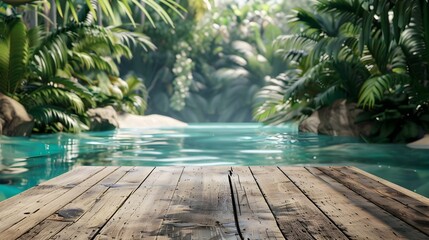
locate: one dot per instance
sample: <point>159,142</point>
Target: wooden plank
<point>142,213</point>
<point>33,218</point>
<point>201,207</point>
<point>44,230</point>
<point>198,203</point>
<point>104,200</point>
<point>392,201</point>
<point>256,221</point>
<point>40,195</point>
<point>36,194</point>
<point>356,216</point>
<point>73,211</point>
<point>398,188</point>
<point>296,215</point>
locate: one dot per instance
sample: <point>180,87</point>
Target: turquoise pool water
<point>25,162</point>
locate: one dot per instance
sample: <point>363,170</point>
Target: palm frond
<point>271,104</point>
<point>376,87</point>
<point>4,65</point>
<point>54,119</point>
<point>351,9</point>
<point>131,39</point>
<point>308,19</point>
<point>84,62</point>
<point>73,86</point>
<point>35,38</point>
<point>329,96</point>
<point>112,10</point>
<point>13,57</point>
<point>54,96</point>
<point>294,47</point>
<point>50,56</point>
<point>312,81</point>
<point>416,50</point>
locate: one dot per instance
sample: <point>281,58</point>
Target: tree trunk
<point>29,16</point>
<point>142,15</point>
<point>51,13</point>
<point>99,15</point>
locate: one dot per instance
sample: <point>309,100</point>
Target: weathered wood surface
<point>215,203</point>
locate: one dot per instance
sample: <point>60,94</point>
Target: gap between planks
<point>216,202</point>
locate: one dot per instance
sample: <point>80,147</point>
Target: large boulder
<point>336,120</point>
<point>14,119</point>
<point>103,119</point>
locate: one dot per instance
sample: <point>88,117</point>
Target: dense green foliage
<point>210,68</point>
<point>229,61</point>
<point>374,53</point>
<point>57,75</point>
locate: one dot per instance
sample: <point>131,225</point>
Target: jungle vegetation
<point>272,61</point>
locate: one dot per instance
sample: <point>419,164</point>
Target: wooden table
<point>215,203</point>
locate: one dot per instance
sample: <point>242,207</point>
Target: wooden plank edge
<point>384,229</point>
<point>47,182</point>
<point>394,186</point>
<point>20,228</point>
<point>363,183</point>
<point>400,209</point>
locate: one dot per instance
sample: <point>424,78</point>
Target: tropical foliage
<point>58,75</point>
<point>229,61</point>
<point>228,53</point>
<point>369,52</point>
<point>111,11</point>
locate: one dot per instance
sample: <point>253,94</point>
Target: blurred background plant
<point>228,48</point>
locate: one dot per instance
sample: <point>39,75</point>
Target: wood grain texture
<point>33,218</point>
<point>44,230</point>
<point>143,212</point>
<point>296,215</point>
<point>394,187</point>
<point>201,207</point>
<point>356,216</point>
<point>215,203</point>
<point>17,208</point>
<point>407,209</point>
<point>108,196</point>
<point>255,218</point>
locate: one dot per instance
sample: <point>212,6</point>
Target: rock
<point>336,120</point>
<point>310,124</point>
<point>150,121</point>
<point>420,144</point>
<point>14,119</point>
<point>103,119</point>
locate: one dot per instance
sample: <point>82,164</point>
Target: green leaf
<point>364,116</point>
<point>376,87</point>
<point>387,129</point>
<point>389,114</point>
<point>409,131</point>
<point>18,48</point>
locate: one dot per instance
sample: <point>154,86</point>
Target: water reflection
<point>27,162</point>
